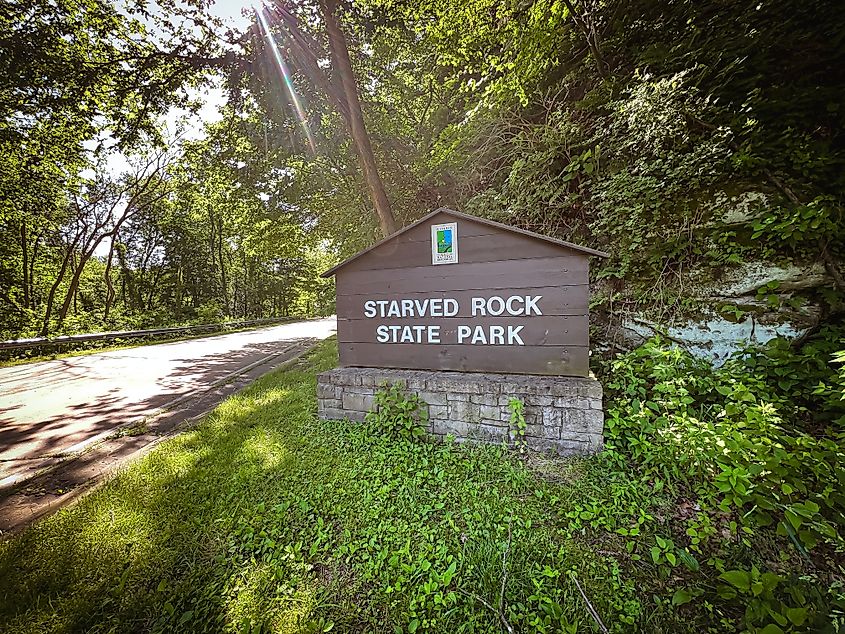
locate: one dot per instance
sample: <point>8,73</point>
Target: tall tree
<point>355,118</point>
<point>101,208</point>
<point>336,79</point>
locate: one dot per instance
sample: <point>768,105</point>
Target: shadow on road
<point>77,422</point>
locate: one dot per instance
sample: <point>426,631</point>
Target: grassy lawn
<point>263,519</point>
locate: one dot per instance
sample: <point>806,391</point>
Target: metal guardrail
<point>69,340</point>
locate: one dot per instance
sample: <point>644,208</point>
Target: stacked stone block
<point>563,414</point>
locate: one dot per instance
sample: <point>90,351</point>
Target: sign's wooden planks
<point>560,360</point>
<point>457,292</point>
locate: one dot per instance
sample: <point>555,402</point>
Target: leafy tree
<point>309,49</point>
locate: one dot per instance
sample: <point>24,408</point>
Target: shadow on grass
<point>264,517</point>
<point>151,548</point>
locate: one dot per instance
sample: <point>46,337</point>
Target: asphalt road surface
<point>52,409</point>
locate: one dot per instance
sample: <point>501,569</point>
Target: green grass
<point>263,519</point>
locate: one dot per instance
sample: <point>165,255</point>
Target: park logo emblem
<point>444,243</point>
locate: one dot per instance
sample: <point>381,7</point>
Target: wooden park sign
<point>457,292</point>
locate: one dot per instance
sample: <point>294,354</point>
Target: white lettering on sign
<point>436,307</point>
<point>496,306</point>
<point>490,335</point>
<point>463,333</point>
<point>407,334</point>
<point>531,304</point>
<point>469,334</point>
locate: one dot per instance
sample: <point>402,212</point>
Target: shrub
<point>722,433</point>
<point>397,414</point>
<point>758,446</point>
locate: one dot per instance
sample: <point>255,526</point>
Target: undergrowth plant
<point>264,519</point>
<point>753,455</point>
<point>398,414</point>
<point>517,423</point>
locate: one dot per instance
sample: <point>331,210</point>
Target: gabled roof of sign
<point>462,216</point>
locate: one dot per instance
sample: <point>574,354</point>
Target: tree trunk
<point>247,289</point>
<point>153,287</point>
<point>360,138</point>
<point>223,282</point>
<point>110,294</point>
<point>74,282</point>
<point>25,266</point>
<point>128,284</point>
<point>45,326</point>
<point>587,26</point>
<point>179,290</point>
<point>34,297</point>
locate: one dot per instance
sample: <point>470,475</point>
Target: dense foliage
<point>687,139</point>
<point>167,231</point>
<point>684,138</point>
<point>753,455</point>
<point>697,137</point>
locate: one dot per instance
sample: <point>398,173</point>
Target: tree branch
<point>590,607</point>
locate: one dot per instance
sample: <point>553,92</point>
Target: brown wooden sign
<point>457,292</point>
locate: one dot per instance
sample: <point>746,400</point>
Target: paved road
<point>51,409</point>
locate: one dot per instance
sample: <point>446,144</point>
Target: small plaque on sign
<point>444,243</point>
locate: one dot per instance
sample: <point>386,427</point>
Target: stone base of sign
<point>563,414</point>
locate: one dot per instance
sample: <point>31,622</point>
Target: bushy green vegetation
<point>710,510</point>
<point>397,415</point>
<point>753,455</point>
<point>684,138</point>
<point>194,238</point>
<point>263,519</point>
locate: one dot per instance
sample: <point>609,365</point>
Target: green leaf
<point>740,579</point>
<point>655,554</point>
<point>413,625</point>
<point>793,518</point>
<point>770,580</point>
<point>796,616</point>
<point>450,572</point>
<point>681,597</point>
<point>688,560</point>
